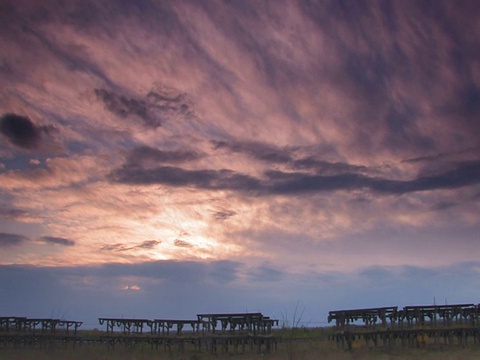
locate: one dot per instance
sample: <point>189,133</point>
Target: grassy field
<point>306,349</point>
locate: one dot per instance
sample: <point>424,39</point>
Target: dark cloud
<point>457,175</point>
<point>462,174</point>
<point>143,154</point>
<point>52,240</point>
<point>291,183</point>
<point>114,247</point>
<point>169,105</point>
<point>175,176</point>
<point>182,243</point>
<point>159,105</point>
<point>146,245</point>
<point>169,100</point>
<point>326,167</point>
<point>287,156</point>
<point>20,131</point>
<point>256,150</point>
<point>123,106</point>
<point>279,182</point>
<point>11,213</point>
<point>223,214</point>
<point>7,240</point>
<point>426,158</point>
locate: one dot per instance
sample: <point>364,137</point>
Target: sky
<point>160,159</point>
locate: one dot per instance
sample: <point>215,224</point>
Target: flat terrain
<point>287,350</point>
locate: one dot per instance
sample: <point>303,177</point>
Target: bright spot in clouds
<point>131,287</point>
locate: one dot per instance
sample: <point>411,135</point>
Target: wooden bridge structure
<point>414,326</point>
<point>24,324</point>
<point>224,332</point>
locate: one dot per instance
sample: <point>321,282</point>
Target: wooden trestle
<point>414,326</point>
<point>211,332</point>
<point>23,324</point>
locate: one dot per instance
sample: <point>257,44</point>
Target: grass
<point>309,347</point>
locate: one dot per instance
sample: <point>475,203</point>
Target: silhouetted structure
<point>412,325</point>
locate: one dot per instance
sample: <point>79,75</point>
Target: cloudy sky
<point>160,159</point>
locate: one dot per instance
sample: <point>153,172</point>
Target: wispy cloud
<point>146,245</point>
<point>223,214</point>
<point>53,240</point>
<point>182,243</point>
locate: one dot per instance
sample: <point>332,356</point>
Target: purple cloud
<point>53,240</point>
<point>8,240</point>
